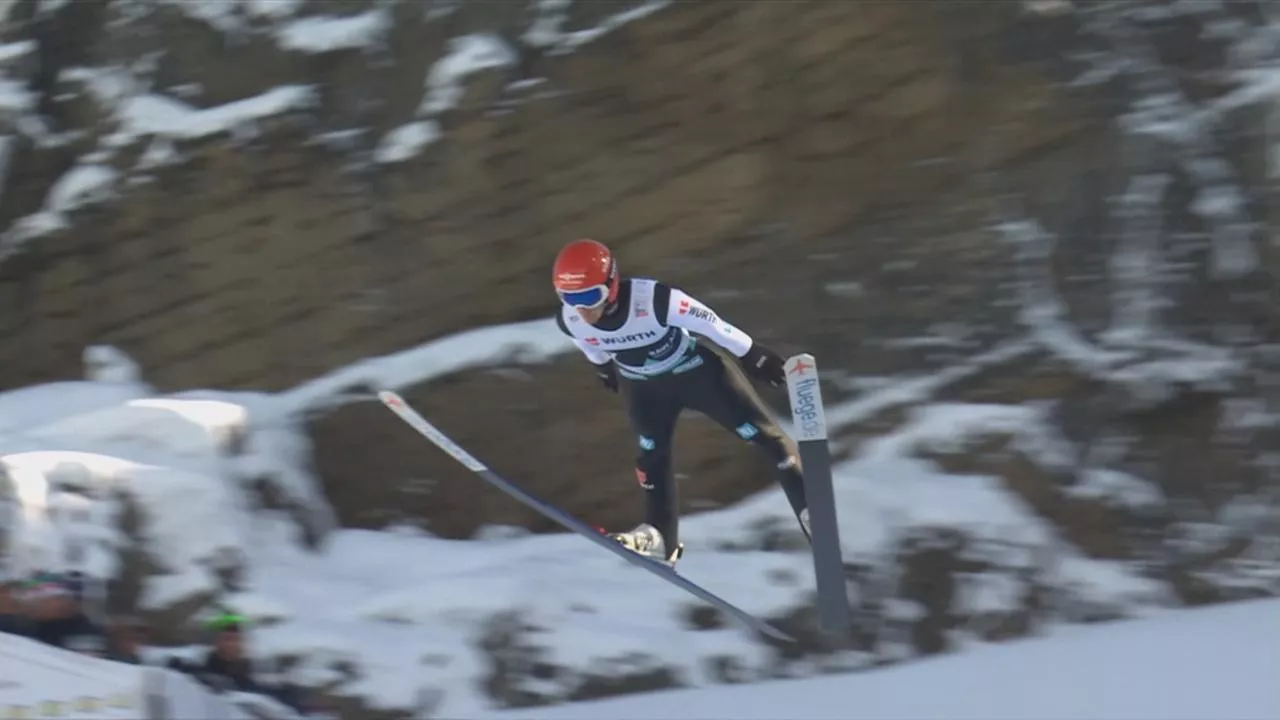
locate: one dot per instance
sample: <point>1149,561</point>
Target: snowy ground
<point>410,609</point>
<point>1205,663</point>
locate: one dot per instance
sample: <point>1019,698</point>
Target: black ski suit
<point>645,346</point>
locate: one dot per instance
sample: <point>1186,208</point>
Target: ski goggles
<point>587,297</point>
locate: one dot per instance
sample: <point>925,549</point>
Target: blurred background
<point>1029,241</point>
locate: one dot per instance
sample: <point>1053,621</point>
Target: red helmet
<point>585,274</point>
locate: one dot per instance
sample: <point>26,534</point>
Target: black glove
<point>608,375</point>
<point>764,365</point>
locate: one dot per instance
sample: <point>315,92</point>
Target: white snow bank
<point>44,681</point>
<point>406,141</point>
<point>921,388</point>
<point>547,30</point>
<point>528,342</point>
<point>188,526</point>
<point>947,426</point>
<point>36,405</point>
<point>467,55</point>
<point>198,430</point>
<point>15,97</point>
<point>443,89</point>
<point>137,114</point>
<point>1116,487</point>
<point>884,492</point>
<point>235,16</point>
<point>152,114</point>
<point>273,9</point>
<point>436,594</point>
<point>324,34</point>
<point>74,451</point>
<point>410,609</point>
<point>11,51</point>
<point>84,184</point>
<point>1206,663</point>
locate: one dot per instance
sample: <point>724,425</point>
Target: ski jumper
<point>656,336</point>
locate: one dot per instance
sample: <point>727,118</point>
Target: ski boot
<point>646,540</point>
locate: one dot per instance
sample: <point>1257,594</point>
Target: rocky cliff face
<point>1002,203</point>
<point>403,171</point>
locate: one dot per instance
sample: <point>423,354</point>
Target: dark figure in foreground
<point>59,617</point>
<point>640,335</point>
<point>227,667</point>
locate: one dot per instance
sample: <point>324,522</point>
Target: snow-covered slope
<point>1205,663</point>
<point>44,681</point>
<point>405,619</point>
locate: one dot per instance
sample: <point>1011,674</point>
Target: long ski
<point>414,419</point>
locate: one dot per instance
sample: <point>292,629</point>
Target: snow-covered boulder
<point>153,495</point>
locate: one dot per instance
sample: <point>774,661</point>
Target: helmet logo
<point>570,279</point>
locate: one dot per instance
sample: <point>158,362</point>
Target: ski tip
<point>390,398</point>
